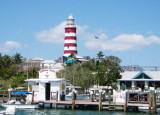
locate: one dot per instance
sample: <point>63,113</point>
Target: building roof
<point>44,80</point>
<point>133,75</point>
<point>49,62</point>
<point>38,59</point>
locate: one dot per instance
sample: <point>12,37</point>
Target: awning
<point>20,93</point>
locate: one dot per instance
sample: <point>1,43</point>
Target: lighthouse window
<point>68,31</point>
<point>68,47</point>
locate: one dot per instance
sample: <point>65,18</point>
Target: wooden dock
<point>107,105</point>
<point>152,104</point>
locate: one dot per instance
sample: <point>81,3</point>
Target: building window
<point>157,85</point>
<point>128,84</point>
<point>122,85</point>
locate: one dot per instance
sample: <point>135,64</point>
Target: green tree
<point>33,72</point>
<point>17,58</point>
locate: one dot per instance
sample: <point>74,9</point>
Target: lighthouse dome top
<point>70,22</point>
<point>70,17</point>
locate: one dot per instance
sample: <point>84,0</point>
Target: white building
<point>46,86</point>
<point>139,80</point>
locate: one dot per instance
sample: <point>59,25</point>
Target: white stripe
<point>70,48</point>
<point>70,26</point>
<point>70,41</point>
<point>67,54</point>
<point>70,34</point>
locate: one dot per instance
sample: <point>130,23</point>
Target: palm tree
<point>17,58</point>
<point>100,56</point>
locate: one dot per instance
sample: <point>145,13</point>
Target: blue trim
<point>142,75</point>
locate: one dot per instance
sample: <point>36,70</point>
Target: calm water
<point>48,111</point>
<point>70,112</point>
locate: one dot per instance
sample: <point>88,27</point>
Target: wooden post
<point>150,103</point>
<point>100,100</point>
<point>56,99</point>
<point>109,98</point>
<point>50,105</point>
<point>125,103</point>
<point>32,96</point>
<point>9,95</point>
<point>115,103</point>
<point>73,100</point>
<point>154,102</point>
<point>3,95</point>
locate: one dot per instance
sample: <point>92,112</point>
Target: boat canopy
<point>20,93</point>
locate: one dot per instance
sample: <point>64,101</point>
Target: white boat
<point>105,90</point>
<point>19,106</point>
<point>73,89</point>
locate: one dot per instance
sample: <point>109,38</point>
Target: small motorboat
<point>19,106</point>
<point>19,103</point>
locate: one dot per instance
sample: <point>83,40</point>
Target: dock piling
<point>73,100</point>
<point>100,100</point>
<point>125,103</point>
<point>154,102</point>
<point>56,99</point>
<point>150,103</point>
<point>9,95</point>
<point>32,96</point>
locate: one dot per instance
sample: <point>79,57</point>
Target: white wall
<point>42,92</point>
<point>47,73</point>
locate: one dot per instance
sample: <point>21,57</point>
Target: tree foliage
<point>104,70</point>
<point>12,73</point>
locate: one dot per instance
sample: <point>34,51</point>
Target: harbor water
<point>48,111</point>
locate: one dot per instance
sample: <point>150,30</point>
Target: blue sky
<point>128,29</point>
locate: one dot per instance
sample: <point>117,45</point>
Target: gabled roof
<point>142,75</point>
<point>132,75</point>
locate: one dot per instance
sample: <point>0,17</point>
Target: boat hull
<point>19,106</point>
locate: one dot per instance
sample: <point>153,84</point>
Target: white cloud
<point>9,45</point>
<point>56,35</point>
<point>53,35</point>
<point>123,42</point>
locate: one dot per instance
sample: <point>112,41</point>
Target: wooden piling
<point>32,96</point>
<point>100,100</point>
<point>109,102</point>
<point>154,102</point>
<point>150,103</point>
<point>125,103</point>
<point>50,105</point>
<point>3,95</point>
<point>73,100</point>
<point>56,99</point>
<point>9,95</point>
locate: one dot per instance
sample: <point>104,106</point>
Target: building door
<point>47,91</point>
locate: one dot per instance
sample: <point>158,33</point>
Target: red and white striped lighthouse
<point>70,40</point>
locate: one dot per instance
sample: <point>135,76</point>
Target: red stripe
<point>70,51</point>
<point>70,27</point>
<point>70,38</point>
<point>70,30</point>
<point>70,44</point>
